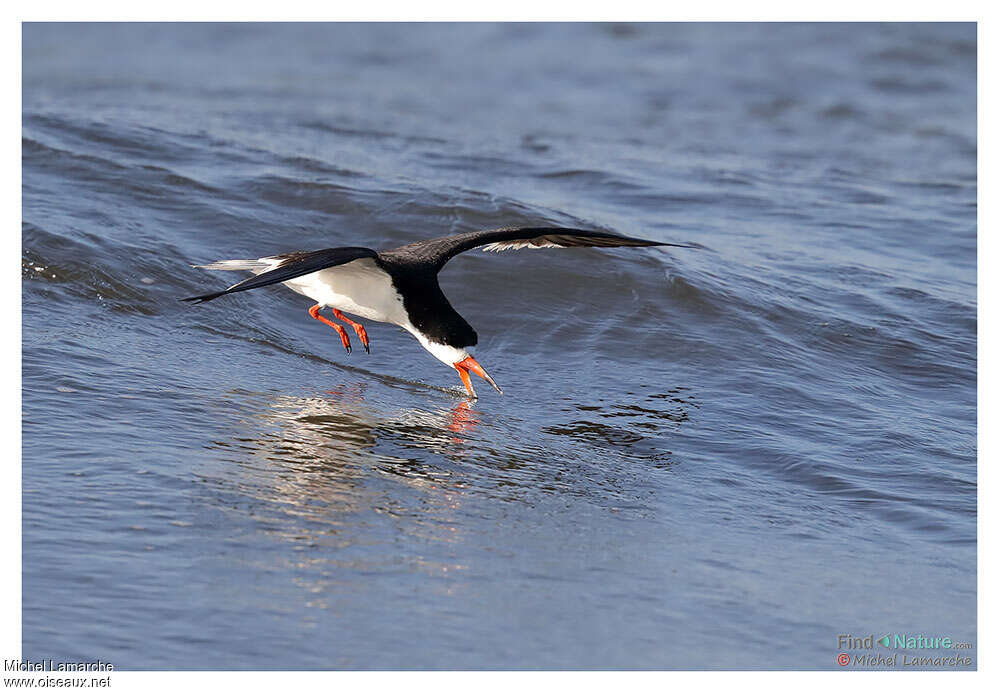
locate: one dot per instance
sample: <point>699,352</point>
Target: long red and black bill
<point>471,365</point>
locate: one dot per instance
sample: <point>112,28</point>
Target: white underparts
<point>358,287</point>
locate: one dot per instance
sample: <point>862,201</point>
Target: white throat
<point>442,352</point>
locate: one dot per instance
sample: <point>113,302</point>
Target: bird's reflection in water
<point>462,418</point>
<point>314,467</point>
<point>339,433</point>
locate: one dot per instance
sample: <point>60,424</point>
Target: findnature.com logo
<point>901,641</point>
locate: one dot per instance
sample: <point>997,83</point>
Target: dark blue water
<point>712,458</point>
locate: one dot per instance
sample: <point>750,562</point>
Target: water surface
<point>711,458</point>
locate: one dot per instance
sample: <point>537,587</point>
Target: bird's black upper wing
<point>291,266</point>
<point>437,251</point>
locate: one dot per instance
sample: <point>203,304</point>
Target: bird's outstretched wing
<point>438,251</point>
<point>290,266</point>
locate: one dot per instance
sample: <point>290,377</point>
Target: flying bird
<point>400,286</point>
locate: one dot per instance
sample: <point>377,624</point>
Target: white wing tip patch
<point>518,245</point>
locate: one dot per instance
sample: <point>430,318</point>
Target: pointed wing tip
<point>695,246</point>
<point>203,298</point>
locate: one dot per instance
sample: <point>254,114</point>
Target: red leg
<point>314,312</point>
<point>362,333</point>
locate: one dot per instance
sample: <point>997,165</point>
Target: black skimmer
<point>400,286</point>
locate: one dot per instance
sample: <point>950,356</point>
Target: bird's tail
<point>250,265</point>
<point>255,266</point>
